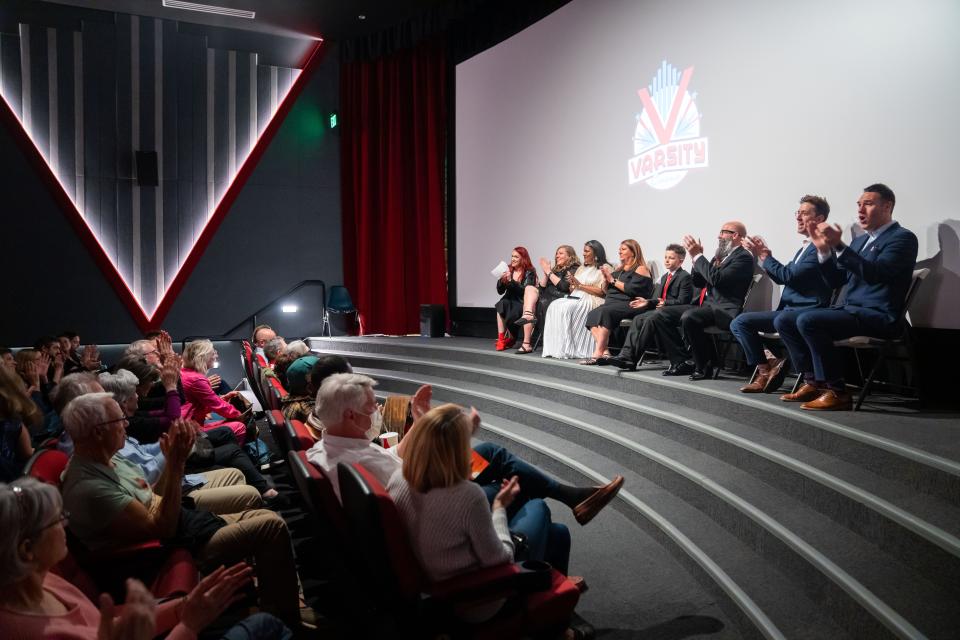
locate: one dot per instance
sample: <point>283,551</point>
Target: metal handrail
<point>253,316</point>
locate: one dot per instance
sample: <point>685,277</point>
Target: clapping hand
<point>90,358</point>
<point>137,619</point>
<point>177,442</point>
<point>474,420</point>
<point>420,403</point>
<point>693,246</point>
<point>32,374</point>
<point>508,491</point>
<point>607,272</point>
<point>757,246</point>
<point>545,265</point>
<point>169,373</point>
<point>214,380</point>
<point>165,346</point>
<point>824,235</point>
<point>213,595</point>
<point>43,366</point>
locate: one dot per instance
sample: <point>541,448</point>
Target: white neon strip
<point>53,113</point>
<point>210,148</point>
<point>135,143</point>
<point>148,315</point>
<point>209,8</point>
<point>253,105</point>
<point>25,79</point>
<point>232,111</point>
<point>78,142</point>
<point>158,146</point>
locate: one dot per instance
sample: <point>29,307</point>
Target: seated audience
<point>630,280</point>
<point>350,418</point>
<point>512,286</point>
<point>300,392</point>
<point>201,400</point>
<point>16,412</point>
<point>877,268</point>
<point>70,348</point>
<point>674,288</point>
<point>452,527</point>
<point>7,360</point>
<point>114,505</point>
<point>292,351</point>
<point>37,603</point>
<point>221,452</point>
<point>805,285</point>
<point>565,334</point>
<point>723,283</point>
<point>262,334</point>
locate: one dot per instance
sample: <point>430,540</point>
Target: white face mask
<point>376,422</point>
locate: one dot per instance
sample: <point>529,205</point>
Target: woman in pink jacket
<point>201,400</point>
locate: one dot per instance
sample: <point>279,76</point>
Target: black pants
<point>694,321</point>
<point>227,453</point>
<point>666,326</point>
<point>640,337</point>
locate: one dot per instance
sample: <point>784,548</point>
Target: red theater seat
<point>299,436</point>
<point>540,600</point>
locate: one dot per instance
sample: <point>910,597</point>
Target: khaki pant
<point>226,491</point>
<point>262,534</point>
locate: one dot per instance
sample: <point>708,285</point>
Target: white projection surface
<point>615,119</point>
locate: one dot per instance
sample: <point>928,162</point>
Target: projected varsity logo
<point>667,140</point>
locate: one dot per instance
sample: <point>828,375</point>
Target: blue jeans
<point>528,514</point>
<point>259,626</point>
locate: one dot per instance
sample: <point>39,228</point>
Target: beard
<point>724,247</point>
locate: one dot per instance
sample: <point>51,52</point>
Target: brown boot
<point>806,393</point>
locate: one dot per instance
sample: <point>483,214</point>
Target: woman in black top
<point>511,285</point>
<point>553,283</point>
<point>631,280</point>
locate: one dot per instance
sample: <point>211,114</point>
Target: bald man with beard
<point>723,281</point>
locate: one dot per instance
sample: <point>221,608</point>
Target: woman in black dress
<point>511,286</point>
<point>631,280</point>
<point>553,283</point>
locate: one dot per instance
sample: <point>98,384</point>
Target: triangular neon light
<point>151,318</point>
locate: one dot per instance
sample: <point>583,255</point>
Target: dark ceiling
<point>336,20</point>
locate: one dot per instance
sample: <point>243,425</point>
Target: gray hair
<point>140,347</point>
<point>340,392</point>
<point>196,355</point>
<point>26,507</point>
<point>83,413</point>
<point>274,347</point>
<point>122,384</point>
<point>298,349</point>
<point>73,386</point>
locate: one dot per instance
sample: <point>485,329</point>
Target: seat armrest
<point>501,581</point>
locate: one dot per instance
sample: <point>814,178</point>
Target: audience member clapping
<point>37,603</point>
<point>201,400</point>
<point>565,334</point>
<point>17,410</point>
<point>113,504</point>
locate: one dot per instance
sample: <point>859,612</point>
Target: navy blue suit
<point>805,285</point>
<point>876,278</point>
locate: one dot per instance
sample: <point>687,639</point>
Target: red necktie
<point>703,294</point>
<point>666,285</point>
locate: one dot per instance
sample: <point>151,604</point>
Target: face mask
<point>376,422</point>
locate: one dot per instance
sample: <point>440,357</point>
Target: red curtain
<point>392,149</point>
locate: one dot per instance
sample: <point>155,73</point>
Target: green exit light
<point>333,120</point>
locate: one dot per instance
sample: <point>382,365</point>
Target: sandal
<point>588,361</point>
<point>524,348</point>
<point>527,318</point>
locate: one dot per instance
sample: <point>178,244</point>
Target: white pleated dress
<point>565,334</point>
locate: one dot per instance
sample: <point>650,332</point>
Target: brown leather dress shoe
<point>589,508</point>
<point>830,400</point>
<point>758,385</point>
<point>776,375</point>
<point>806,393</point>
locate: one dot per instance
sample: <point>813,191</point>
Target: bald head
<point>736,225</point>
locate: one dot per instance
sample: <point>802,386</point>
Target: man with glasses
<point>723,282</point>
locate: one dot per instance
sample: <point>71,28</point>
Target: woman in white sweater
<point>452,526</point>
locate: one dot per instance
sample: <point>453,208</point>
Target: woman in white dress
<point>564,332</point>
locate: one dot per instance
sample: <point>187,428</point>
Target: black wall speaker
<point>432,320</point>
<point>147,169</point>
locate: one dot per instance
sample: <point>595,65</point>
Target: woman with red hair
<point>512,284</point>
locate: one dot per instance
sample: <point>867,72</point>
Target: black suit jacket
<point>727,283</point>
<point>680,290</point>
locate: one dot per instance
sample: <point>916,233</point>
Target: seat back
<point>919,275</point>
<point>47,465</point>
<point>340,300</point>
<point>298,436</point>
<point>376,526</point>
<point>318,494</point>
<point>278,430</point>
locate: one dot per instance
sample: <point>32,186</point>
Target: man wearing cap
<point>299,402</point>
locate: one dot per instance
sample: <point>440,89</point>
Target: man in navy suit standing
<point>878,267</point>
<point>805,285</point>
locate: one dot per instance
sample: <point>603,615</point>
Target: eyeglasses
<point>63,518</point>
<point>105,423</point>
<point>730,231</point>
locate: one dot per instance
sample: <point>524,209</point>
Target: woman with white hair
<point>201,400</point>
<point>37,603</point>
<point>113,504</point>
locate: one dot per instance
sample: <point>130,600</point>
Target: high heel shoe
<point>526,347</point>
<point>501,343</point>
<point>526,319</point>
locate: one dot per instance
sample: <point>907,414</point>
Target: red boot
<point>511,340</point>
<point>501,341</point>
